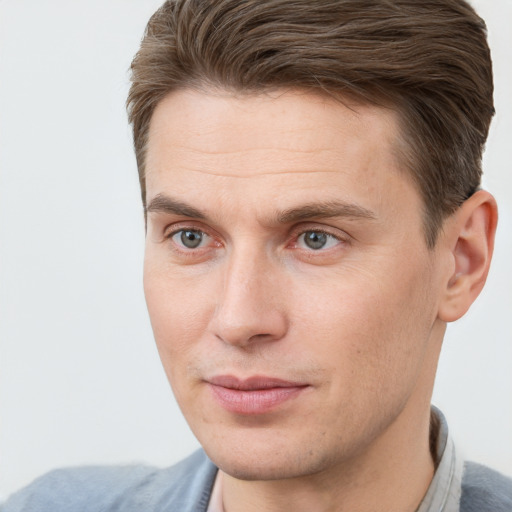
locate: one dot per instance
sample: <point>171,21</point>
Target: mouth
<point>255,395</point>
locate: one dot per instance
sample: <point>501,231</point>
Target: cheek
<point>179,311</point>
<point>371,326</point>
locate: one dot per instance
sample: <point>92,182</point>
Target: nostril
<point>260,336</point>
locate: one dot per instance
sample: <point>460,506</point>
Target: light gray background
<point>80,380</point>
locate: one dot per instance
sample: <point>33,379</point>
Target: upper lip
<point>252,383</point>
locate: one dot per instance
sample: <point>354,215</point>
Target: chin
<point>271,462</point>
<point>251,469</point>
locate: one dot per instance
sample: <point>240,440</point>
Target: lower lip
<point>258,401</point>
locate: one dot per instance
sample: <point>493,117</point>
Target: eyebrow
<point>164,204</point>
<point>325,210</point>
<point>329,209</point>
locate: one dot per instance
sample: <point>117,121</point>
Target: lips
<point>255,395</point>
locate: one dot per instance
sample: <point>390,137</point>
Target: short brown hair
<point>429,60</point>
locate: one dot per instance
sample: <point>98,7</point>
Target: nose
<point>249,308</point>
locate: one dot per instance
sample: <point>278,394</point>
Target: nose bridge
<point>248,307</point>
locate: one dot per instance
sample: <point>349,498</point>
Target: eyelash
<point>295,235</point>
<point>328,234</point>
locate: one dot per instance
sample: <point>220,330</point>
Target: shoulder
<point>185,486</point>
<point>485,490</point>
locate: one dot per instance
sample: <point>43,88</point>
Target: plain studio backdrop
<point>80,379</point>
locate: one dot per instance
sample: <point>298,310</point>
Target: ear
<point>469,234</point>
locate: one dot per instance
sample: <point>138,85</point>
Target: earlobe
<point>471,238</point>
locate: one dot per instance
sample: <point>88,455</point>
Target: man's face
<point>292,296</point>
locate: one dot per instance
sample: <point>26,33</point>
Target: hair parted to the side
<point>428,60</point>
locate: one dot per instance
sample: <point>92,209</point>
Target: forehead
<point>215,123</point>
<point>286,146</point>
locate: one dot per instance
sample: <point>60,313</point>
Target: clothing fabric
<point>445,489</point>
<point>216,504</point>
<point>187,487</point>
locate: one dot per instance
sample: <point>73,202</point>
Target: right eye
<point>190,239</point>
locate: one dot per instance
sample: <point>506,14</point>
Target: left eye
<point>190,238</point>
<point>317,240</point>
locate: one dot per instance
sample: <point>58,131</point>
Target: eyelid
<point>342,241</point>
<point>342,236</point>
<point>337,233</point>
<point>170,230</point>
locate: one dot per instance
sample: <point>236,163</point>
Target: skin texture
<point>358,322</point>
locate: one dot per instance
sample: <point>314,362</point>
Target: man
<point>310,173</point>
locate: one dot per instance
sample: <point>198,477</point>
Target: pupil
<point>315,240</point>
<point>191,239</point>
